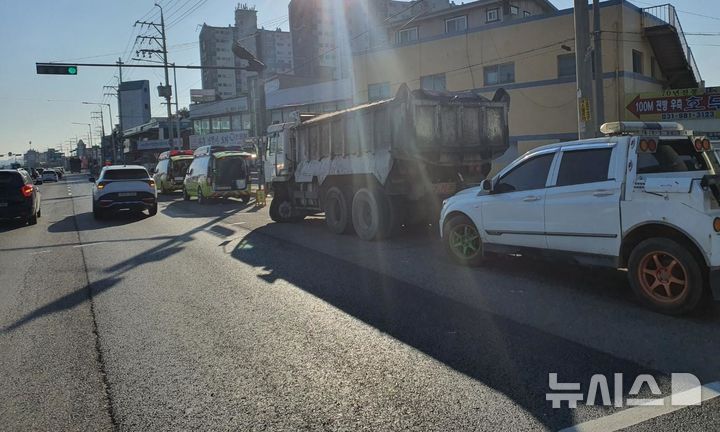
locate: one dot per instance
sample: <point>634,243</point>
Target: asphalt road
<point>215,318</point>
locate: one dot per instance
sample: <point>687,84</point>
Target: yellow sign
<point>585,113</point>
<point>674,105</point>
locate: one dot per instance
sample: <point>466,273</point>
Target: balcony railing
<point>666,15</point>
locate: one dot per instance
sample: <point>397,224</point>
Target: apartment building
<point>216,50</point>
<point>528,48</point>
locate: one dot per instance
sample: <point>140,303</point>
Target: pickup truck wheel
<point>337,211</point>
<point>462,241</point>
<point>369,215</point>
<point>665,276</point>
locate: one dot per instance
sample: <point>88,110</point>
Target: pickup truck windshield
<point>672,156</point>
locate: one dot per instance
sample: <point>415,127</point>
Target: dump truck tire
<point>370,214</point>
<point>338,211</point>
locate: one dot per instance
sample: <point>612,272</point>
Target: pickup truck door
<point>582,206</point>
<point>513,214</point>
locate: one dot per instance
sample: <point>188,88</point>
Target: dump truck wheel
<point>281,209</point>
<point>370,215</point>
<point>337,211</point>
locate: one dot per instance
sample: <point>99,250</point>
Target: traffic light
<point>51,69</point>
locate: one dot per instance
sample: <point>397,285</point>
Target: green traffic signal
<point>53,69</point>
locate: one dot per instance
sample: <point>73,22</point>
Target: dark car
<point>19,198</point>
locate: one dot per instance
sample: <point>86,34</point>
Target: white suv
<point>126,187</point>
<point>646,199</point>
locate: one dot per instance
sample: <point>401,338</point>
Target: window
<point>514,10</point>
<point>407,35</point>
<point>433,82</point>
<point>125,174</point>
<point>377,92</point>
<point>655,71</point>
<point>526,14</point>
<point>455,25</point>
<point>566,65</point>
<point>499,74</point>
<point>221,124</point>
<point>492,15</point>
<point>529,175</point>
<point>584,166</point>
<point>672,156</point>
<point>637,58</point>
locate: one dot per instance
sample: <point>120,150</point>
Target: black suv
<point>19,198</point>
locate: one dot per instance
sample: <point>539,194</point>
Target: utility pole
<point>166,91</point>
<point>583,61</point>
<point>599,88</point>
<point>177,109</point>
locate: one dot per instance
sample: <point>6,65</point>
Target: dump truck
<point>375,167</point>
<point>75,164</point>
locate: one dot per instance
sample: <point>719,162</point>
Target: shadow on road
<point>12,225</point>
<point>168,248</point>
<point>65,302</point>
<point>512,358</point>
<point>113,219</point>
<point>192,209</point>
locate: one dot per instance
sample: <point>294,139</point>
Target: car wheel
<point>153,210</point>
<point>370,216</point>
<point>245,199</point>
<point>665,276</point>
<point>39,212</point>
<point>185,195</point>
<point>200,197</point>
<point>338,212</point>
<point>462,241</point>
<point>32,220</point>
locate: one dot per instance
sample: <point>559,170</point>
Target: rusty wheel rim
<point>663,278</point>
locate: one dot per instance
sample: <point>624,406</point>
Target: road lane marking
<point>639,414</point>
<point>40,252</point>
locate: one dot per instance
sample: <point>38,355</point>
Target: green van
<point>169,174</point>
<point>218,172</point>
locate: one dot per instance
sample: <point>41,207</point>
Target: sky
<point>42,108</point>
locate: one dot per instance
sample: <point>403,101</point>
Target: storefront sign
<point>163,144</point>
<point>224,138</point>
<point>675,105</point>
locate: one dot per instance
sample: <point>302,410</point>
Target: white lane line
<point>41,252</point>
<point>636,415</point>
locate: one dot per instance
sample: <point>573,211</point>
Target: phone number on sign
<point>689,115</point>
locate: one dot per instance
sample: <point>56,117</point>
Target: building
<point>325,33</point>
<point>134,103</point>
<point>32,158</point>
<point>527,47</point>
<point>216,50</point>
<point>143,143</point>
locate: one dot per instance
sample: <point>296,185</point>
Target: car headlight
<point>444,203</point>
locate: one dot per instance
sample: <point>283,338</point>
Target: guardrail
<point>664,15</point>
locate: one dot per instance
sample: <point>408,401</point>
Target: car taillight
<point>27,190</point>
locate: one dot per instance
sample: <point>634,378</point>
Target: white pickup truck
<point>645,198</point>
